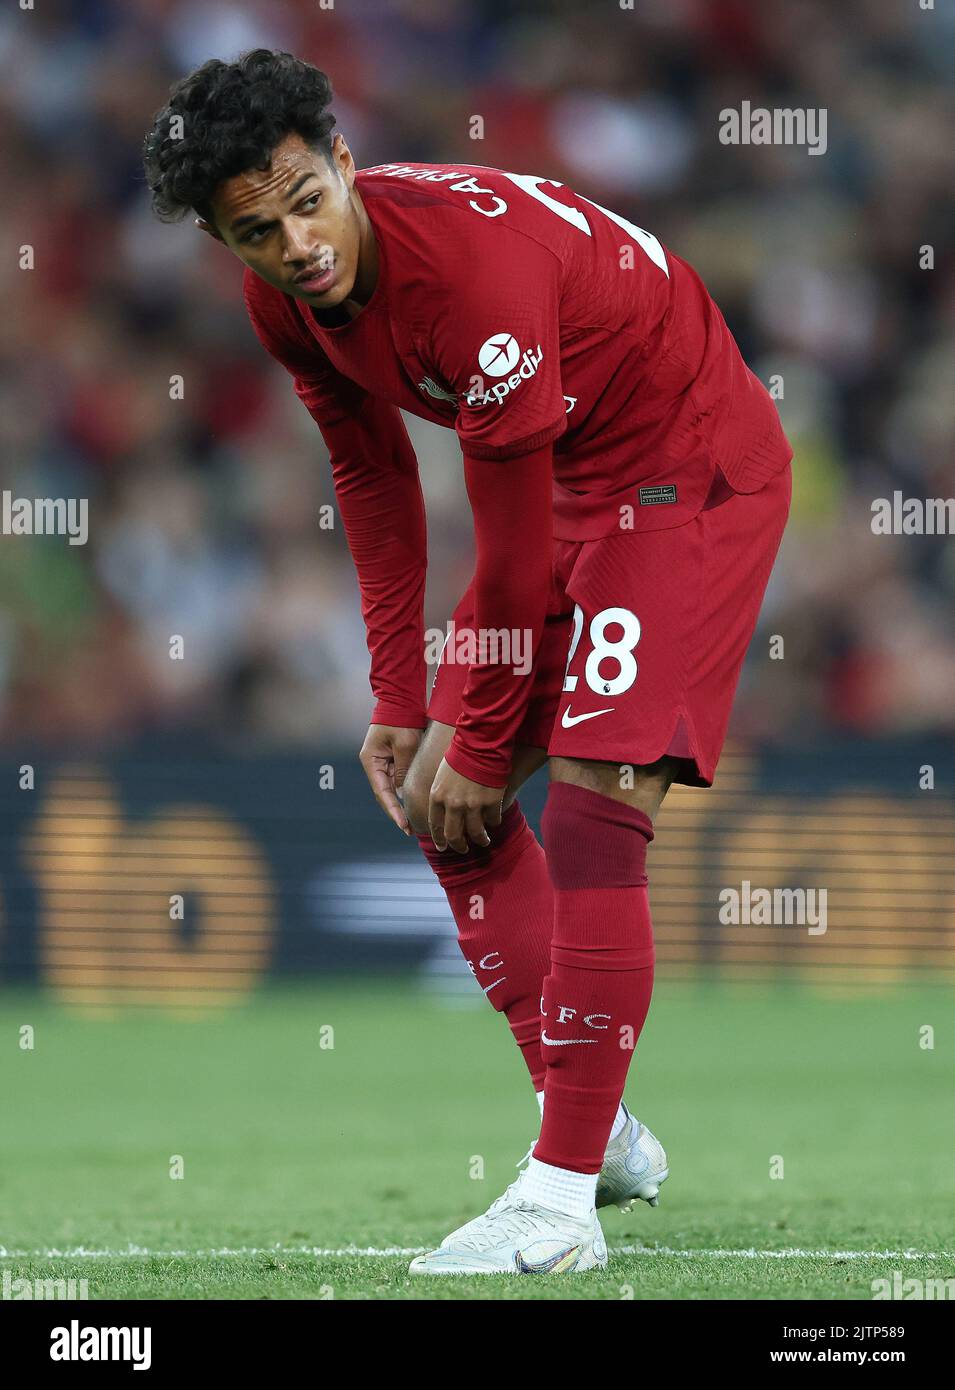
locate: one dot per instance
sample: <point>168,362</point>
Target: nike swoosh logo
<point>564,1042</point>
<point>560,1263</point>
<point>568,720</point>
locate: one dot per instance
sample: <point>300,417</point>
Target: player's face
<point>296,224</point>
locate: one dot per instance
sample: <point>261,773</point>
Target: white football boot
<point>634,1166</point>
<point>516,1236</point>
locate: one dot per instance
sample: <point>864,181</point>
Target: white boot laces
<point>518,1218</point>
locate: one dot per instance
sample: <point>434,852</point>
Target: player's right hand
<point>386,756</point>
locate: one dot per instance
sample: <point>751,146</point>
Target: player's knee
<point>416,796</point>
<point>416,788</point>
<point>419,779</point>
<point>642,787</point>
<point>592,840</point>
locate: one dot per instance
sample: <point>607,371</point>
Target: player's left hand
<point>460,810</point>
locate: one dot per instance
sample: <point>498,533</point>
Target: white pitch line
<point>791,1253</point>
<point>401,1251</point>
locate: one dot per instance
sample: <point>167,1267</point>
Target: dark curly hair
<point>225,118</point>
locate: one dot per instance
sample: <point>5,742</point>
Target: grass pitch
<point>312,1171</point>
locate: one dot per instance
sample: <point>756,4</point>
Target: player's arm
<point>496,338</point>
<point>378,491</point>
<point>375,476</point>
<point>511,504</point>
<point>379,498</point>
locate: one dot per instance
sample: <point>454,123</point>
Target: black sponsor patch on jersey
<point>657,496</point>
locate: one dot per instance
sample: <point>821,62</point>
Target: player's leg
<point>597,825</point>
<point>503,906</point>
<point>546,1222</point>
<point>665,620</point>
<point>642,788</point>
<point>697,590</point>
<point>416,788</point>
<point>500,895</point>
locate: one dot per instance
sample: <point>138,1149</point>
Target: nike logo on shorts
<point>568,720</point>
<point>564,1042</point>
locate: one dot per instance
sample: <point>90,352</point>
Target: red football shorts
<point>645,637</point>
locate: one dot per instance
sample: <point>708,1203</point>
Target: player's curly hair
<point>225,118</point>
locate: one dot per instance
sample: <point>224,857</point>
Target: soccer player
<point>629,482</point>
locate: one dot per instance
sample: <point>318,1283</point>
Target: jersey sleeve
<point>495,337</point>
<point>511,503</point>
<point>378,492</point>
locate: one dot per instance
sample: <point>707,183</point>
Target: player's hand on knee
<point>460,811</point>
<point>386,755</point>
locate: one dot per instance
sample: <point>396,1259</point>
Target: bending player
<point>629,483</point>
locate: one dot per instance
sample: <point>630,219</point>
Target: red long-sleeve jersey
<point>592,382</point>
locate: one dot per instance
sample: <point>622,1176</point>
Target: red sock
<point>503,904</point>
<point>596,997</point>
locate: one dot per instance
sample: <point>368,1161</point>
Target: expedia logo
<point>499,355</point>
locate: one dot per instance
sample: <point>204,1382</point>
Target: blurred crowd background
<point>204,511</point>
